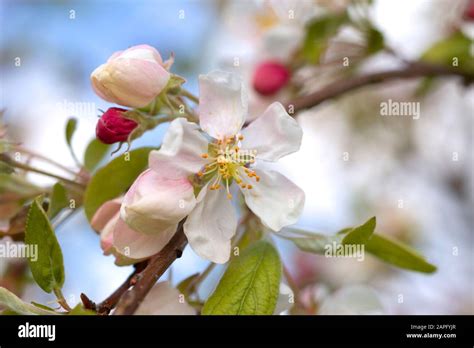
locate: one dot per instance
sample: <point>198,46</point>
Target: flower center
<point>227,163</point>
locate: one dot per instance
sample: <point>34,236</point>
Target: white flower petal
<point>276,200</point>
<point>155,201</point>
<point>211,226</point>
<point>164,300</point>
<point>223,104</point>
<point>180,152</point>
<point>273,135</point>
<point>136,245</point>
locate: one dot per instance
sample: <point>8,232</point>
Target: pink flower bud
<point>113,127</point>
<point>133,77</point>
<point>469,11</point>
<point>270,77</point>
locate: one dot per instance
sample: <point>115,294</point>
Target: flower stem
<point>61,300</point>
<point>44,158</point>
<point>26,167</point>
<point>189,95</point>
<point>177,103</point>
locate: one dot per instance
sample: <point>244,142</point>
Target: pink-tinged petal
<point>154,202</point>
<point>144,52</point>
<point>273,135</point>
<point>180,152</point>
<point>105,213</point>
<point>276,200</point>
<point>133,77</point>
<point>98,76</point>
<point>211,226</point>
<point>223,104</point>
<point>164,300</point>
<point>136,245</point>
<point>107,234</point>
<point>134,82</point>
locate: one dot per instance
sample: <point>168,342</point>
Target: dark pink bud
<point>114,127</point>
<point>270,77</point>
<point>469,12</point>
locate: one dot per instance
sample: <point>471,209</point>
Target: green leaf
<point>80,310</point>
<point>375,40</point>
<point>250,286</point>
<point>18,185</point>
<point>47,268</point>
<point>456,46</point>
<point>311,242</point>
<point>15,304</point>
<point>42,306</point>
<point>58,200</point>
<point>384,248</point>
<point>360,234</point>
<point>95,152</point>
<point>114,179</point>
<point>71,126</point>
<point>185,283</point>
<point>318,33</point>
<point>398,254</point>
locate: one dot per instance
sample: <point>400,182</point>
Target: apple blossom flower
<point>270,77</point>
<point>113,127</point>
<point>130,245</point>
<point>106,221</point>
<point>164,300</point>
<point>225,155</point>
<point>133,77</point>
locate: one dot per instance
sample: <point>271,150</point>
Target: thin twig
<point>189,95</point>
<point>157,265</point>
<point>44,158</point>
<point>110,302</point>
<point>29,168</point>
<point>345,85</point>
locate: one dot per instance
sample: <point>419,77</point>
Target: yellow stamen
<point>204,155</point>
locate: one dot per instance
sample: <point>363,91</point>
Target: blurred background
<point>416,176</point>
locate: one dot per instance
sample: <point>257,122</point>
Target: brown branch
<point>340,87</point>
<point>157,265</point>
<point>110,302</point>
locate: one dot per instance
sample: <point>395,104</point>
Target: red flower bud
<point>269,77</point>
<point>469,12</point>
<point>114,127</point>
